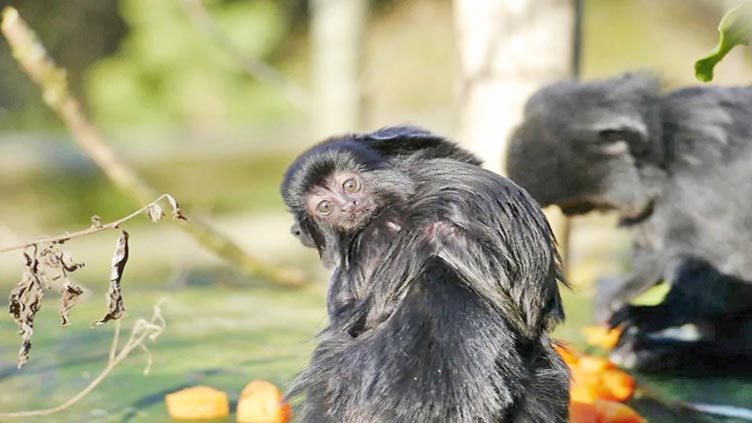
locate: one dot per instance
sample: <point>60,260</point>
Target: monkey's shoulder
<point>449,182</point>
<point>707,126</point>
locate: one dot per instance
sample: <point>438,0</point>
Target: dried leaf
<point>71,267</point>
<point>24,302</point>
<point>177,213</point>
<point>155,212</point>
<point>115,308</point>
<point>70,296</point>
<point>58,268</point>
<point>54,265</point>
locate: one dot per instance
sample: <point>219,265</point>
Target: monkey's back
<point>452,323</point>
<point>705,209</point>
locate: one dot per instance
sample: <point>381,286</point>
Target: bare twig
<point>94,228</point>
<point>257,69</point>
<point>115,340</point>
<point>34,60</point>
<point>142,330</point>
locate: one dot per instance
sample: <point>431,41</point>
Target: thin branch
<point>115,340</point>
<point>39,66</point>
<point>257,69</point>
<point>91,230</point>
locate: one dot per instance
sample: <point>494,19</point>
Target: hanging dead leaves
<point>47,264</point>
<point>115,307</point>
<point>44,264</point>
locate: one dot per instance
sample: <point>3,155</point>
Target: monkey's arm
<point>613,295</point>
<point>698,292</point>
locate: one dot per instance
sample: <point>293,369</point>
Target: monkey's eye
<point>324,208</point>
<point>351,185</point>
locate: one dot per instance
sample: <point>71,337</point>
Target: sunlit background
<point>174,101</point>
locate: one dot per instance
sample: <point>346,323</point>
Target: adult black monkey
<point>676,168</point>
<point>448,280</point>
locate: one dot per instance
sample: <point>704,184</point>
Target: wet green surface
<point>222,338</point>
<point>216,337</point>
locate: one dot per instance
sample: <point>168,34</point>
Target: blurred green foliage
<point>76,34</point>
<point>735,29</point>
<point>168,72</point>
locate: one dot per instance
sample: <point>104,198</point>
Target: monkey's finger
<point>622,316</point>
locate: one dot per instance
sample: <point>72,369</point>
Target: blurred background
<point>210,101</point>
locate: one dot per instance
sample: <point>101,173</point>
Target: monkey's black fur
<point>441,304</point>
<point>677,168</point>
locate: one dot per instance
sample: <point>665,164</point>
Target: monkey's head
<point>586,146</point>
<point>335,189</point>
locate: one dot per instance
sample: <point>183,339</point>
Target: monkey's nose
<point>350,207</point>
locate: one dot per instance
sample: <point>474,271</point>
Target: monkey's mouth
<point>357,217</point>
<point>577,207</point>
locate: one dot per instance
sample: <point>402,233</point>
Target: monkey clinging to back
<point>444,289</point>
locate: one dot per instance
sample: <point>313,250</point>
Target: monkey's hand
<point>646,318</point>
<point>698,292</point>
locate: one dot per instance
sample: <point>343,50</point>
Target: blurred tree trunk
<point>337,35</point>
<point>507,50</point>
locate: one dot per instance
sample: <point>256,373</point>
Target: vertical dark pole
<point>565,241</point>
<point>577,38</point>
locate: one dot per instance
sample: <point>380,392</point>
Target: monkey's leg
<point>698,293</point>
<point>726,348</point>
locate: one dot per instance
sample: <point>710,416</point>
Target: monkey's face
<point>580,171</point>
<point>342,201</point>
<point>590,146</point>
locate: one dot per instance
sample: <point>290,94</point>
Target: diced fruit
<point>602,336</point>
<point>581,412</point>
<point>567,354</point>
<point>602,411</point>
<point>261,402</point>
<point>197,403</point>
<point>595,378</point>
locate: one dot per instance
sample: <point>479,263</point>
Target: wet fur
<point>440,307</point>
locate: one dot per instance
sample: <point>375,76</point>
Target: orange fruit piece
<point>613,385</point>
<point>581,412</point>
<point>619,384</point>
<point>197,403</point>
<point>602,411</point>
<point>602,336</point>
<point>261,402</point>
<point>591,364</point>
<point>569,355</point>
<point>616,412</point>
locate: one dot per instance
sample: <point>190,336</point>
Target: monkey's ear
<point>304,237</point>
<point>399,132</point>
<point>396,141</point>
